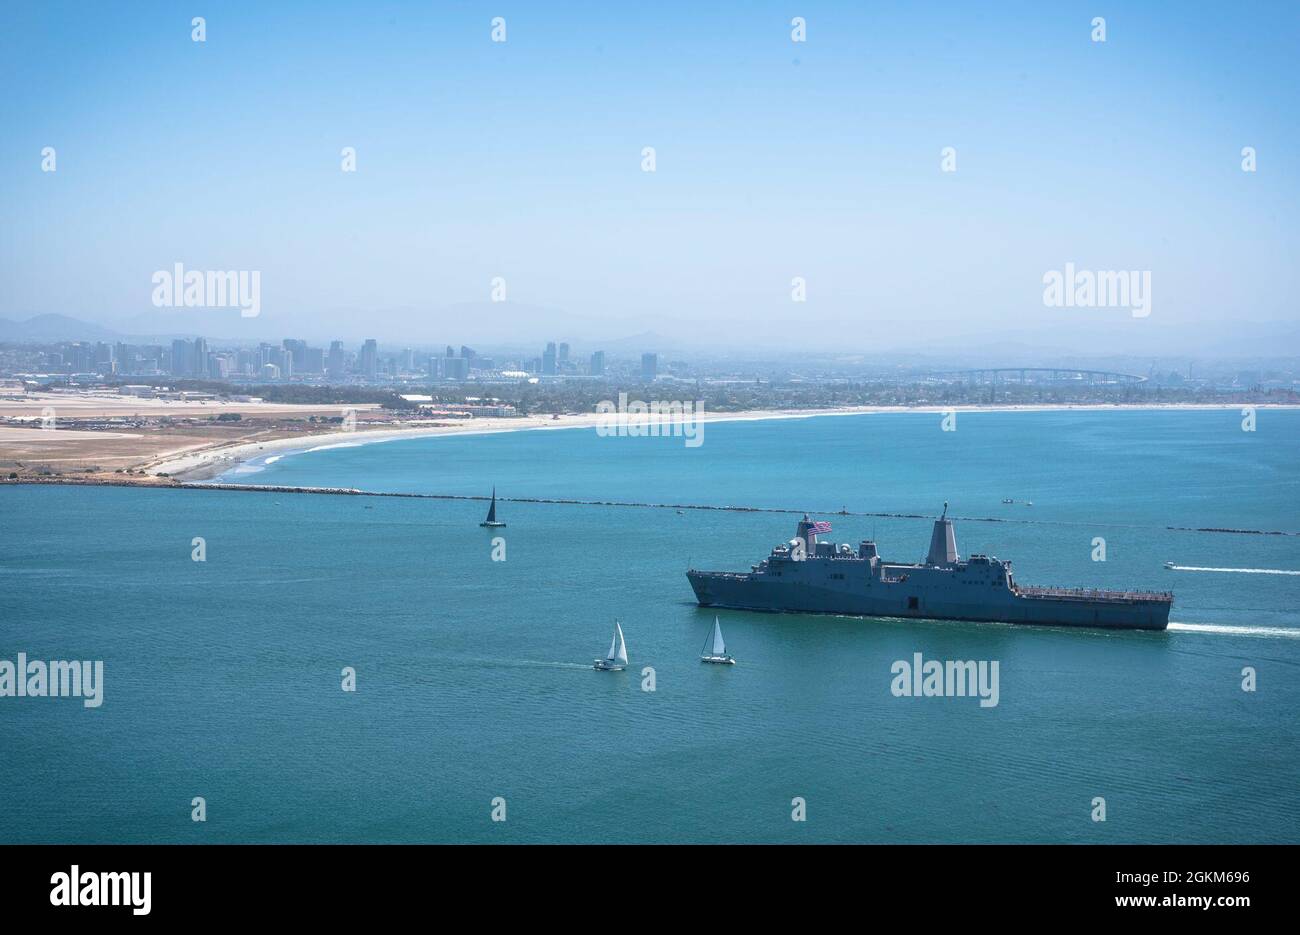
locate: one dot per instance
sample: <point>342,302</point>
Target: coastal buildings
<point>567,381</point>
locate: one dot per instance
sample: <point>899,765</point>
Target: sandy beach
<point>192,445</point>
<point>210,462</point>
<point>207,463</point>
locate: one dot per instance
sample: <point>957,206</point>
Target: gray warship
<point>808,576</point>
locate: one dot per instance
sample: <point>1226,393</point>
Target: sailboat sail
<point>492,510</point>
<point>621,655</point>
<point>613,646</point>
<point>719,647</point>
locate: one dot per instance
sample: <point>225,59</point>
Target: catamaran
<point>491,520</point>
<point>616,659</point>
<point>718,652</point>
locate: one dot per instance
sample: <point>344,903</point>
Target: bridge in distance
<point>1040,375</point>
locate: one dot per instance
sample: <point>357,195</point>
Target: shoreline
<point>208,463</point>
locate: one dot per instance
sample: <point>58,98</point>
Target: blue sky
<point>774,160</point>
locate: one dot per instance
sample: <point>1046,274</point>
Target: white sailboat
<point>716,653</point>
<point>616,659</point>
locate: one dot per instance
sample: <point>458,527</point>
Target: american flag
<point>818,528</point>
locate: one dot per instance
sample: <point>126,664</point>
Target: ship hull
<point>751,592</point>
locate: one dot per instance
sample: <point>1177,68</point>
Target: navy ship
<point>808,576</point>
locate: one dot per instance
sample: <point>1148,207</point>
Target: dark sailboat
<point>491,520</point>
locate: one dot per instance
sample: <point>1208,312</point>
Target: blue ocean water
<point>222,678</point>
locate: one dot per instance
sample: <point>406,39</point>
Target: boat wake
<point>521,664</point>
<point>1284,632</point>
<point>1243,571</point>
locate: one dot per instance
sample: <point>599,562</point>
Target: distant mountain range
<point>45,328</point>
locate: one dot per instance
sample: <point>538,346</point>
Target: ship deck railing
<point>1092,594</point>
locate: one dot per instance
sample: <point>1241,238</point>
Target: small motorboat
<point>1170,565</point>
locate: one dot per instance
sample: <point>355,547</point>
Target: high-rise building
<point>370,359</point>
<point>549,359</point>
<point>336,365</point>
<point>182,358</point>
<point>199,362</point>
<point>598,363</point>
<point>104,362</point>
<point>455,368</point>
<point>649,367</point>
<point>305,359</point>
<point>154,360</point>
<point>564,352</point>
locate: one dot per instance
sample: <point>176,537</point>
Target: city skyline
<point>295,358</point>
<point>295,361</point>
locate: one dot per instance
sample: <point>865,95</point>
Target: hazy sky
<point>774,159</point>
